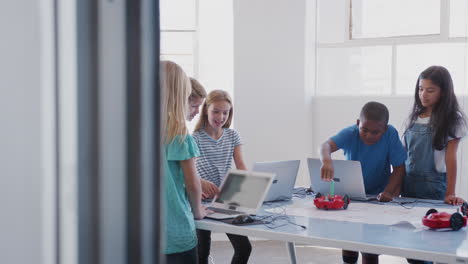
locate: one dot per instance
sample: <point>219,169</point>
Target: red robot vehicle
<point>455,221</point>
<point>331,202</point>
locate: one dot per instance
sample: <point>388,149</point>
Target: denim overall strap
<point>422,179</point>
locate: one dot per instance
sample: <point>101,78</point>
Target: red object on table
<point>329,202</point>
<point>436,220</point>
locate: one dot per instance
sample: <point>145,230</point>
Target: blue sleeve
<point>397,153</point>
<point>344,138</point>
<point>182,150</point>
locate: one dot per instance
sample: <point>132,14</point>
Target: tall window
<point>179,33</point>
<point>378,47</point>
<point>198,35</point>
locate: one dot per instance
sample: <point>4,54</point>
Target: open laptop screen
<point>348,173</point>
<point>242,190</point>
<point>283,184</point>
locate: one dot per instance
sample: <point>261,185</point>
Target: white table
<point>419,243</point>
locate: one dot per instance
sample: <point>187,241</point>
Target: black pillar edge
<point>133,132</point>
<point>88,132</point>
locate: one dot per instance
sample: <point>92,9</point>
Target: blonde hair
<point>214,96</point>
<point>176,89</point>
<point>198,91</point>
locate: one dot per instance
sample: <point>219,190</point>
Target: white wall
<point>215,44</point>
<point>20,149</point>
<point>215,47</point>
<point>272,109</point>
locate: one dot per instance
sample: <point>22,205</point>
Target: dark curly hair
<point>375,111</point>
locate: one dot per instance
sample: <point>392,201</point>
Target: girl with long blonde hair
<point>182,185</point>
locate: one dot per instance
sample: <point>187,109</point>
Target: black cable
<point>412,204</point>
<point>270,219</point>
<point>405,204</point>
<point>302,192</point>
<point>272,205</point>
<point>300,195</point>
<point>279,199</point>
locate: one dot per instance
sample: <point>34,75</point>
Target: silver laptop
<point>283,184</point>
<point>241,192</point>
<point>347,175</point>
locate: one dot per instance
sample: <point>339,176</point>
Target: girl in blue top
<point>182,188</point>
<point>432,135</point>
<point>219,146</point>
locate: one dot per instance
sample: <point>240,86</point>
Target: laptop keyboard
<point>223,211</point>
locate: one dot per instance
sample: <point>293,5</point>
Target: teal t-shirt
<point>180,225</point>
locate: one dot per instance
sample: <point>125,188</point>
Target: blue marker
<point>332,188</point>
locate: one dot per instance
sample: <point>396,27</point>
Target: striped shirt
<point>215,155</point>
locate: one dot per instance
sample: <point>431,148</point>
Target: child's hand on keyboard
<point>202,213</point>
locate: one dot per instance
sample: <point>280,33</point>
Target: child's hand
<point>327,171</point>
<point>384,197</point>
<point>209,189</point>
<point>453,200</point>
<point>202,213</point>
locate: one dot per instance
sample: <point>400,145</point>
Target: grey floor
<point>275,252</point>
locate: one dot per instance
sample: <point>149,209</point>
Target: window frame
<point>394,42</point>
<point>195,47</point>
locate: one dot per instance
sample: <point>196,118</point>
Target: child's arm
<point>209,189</point>
<point>451,164</point>
<point>238,159</point>
<point>192,184</point>
<point>393,187</point>
<point>326,149</point>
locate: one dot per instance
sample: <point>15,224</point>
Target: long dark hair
<point>446,115</point>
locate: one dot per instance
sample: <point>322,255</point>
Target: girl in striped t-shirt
<point>219,145</point>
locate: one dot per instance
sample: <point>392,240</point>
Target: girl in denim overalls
<point>432,135</point>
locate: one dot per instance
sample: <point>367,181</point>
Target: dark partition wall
<point>118,174</point>
<point>143,132</point>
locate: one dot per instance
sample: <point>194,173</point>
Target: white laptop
<point>241,192</point>
<point>348,179</point>
<point>283,183</point>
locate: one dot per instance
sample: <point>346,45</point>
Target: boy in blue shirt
<point>376,144</point>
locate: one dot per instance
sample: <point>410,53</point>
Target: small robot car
<point>455,221</point>
<point>331,202</point>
